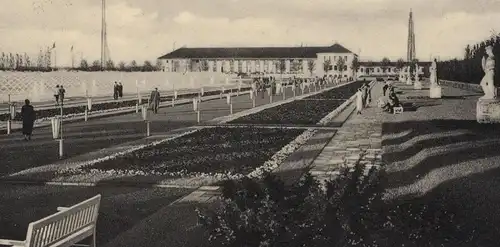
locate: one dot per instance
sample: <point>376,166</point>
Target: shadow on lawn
<point>456,213</point>
<point>459,211</point>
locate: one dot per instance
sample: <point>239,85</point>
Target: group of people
<point>363,97</point>
<point>389,99</point>
<point>117,90</point>
<point>264,82</point>
<point>59,93</point>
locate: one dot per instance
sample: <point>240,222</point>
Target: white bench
<point>65,228</point>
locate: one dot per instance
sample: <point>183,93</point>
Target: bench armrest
<point>62,208</point>
<point>14,243</point>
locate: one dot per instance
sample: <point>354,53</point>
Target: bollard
<point>175,94</point>
<point>89,104</point>
<point>293,90</point>
<point>148,132</point>
<point>198,118</point>
<point>136,107</point>
<point>173,102</point>
<point>253,102</point>
<point>202,91</point>
<point>284,90</point>
<point>9,127</point>
<point>61,148</point>
<point>56,127</point>
<point>144,112</point>
<point>86,115</point>
<point>271,98</point>
<point>231,109</point>
<point>195,104</point>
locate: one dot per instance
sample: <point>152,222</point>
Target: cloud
<point>143,30</point>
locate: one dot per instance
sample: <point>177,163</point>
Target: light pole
<point>61,150</point>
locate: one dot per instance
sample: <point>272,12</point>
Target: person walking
<point>120,90</point>
<point>359,101</point>
<point>154,100</point>
<point>115,91</point>
<point>61,93</point>
<point>28,116</point>
<point>56,94</point>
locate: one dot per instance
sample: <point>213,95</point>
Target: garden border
<point>220,120</point>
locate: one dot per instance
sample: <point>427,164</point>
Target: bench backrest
<point>75,220</point>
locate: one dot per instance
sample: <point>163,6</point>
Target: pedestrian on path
<point>359,101</point>
<point>115,91</point>
<point>120,90</point>
<point>56,94</point>
<point>62,91</point>
<point>28,115</point>
<point>154,100</point>
<point>367,95</point>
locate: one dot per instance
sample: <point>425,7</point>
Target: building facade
<point>303,61</point>
<point>387,69</point>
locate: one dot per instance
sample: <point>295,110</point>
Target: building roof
<point>379,64</point>
<point>254,52</point>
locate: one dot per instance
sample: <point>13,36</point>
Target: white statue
<point>433,70</point>
<point>408,76</point>
<point>416,72</point>
<point>487,82</point>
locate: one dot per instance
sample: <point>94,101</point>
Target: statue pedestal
<point>409,82</point>
<point>488,111</point>
<point>417,85</point>
<point>435,92</point>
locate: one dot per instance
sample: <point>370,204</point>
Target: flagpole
<point>72,58</point>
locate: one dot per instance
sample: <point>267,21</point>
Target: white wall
<point>22,85</point>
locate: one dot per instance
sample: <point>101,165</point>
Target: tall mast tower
<point>410,52</point>
<point>104,41</point>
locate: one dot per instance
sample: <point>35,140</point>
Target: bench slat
<point>68,224</point>
<point>14,243</point>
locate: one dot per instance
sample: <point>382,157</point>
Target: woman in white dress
<point>359,100</point>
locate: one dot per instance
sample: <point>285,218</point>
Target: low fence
<point>461,85</point>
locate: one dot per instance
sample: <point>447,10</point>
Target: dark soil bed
<point>211,150</point>
<point>343,92</point>
<point>305,112</point>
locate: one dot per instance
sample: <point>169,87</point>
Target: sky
<point>146,29</point>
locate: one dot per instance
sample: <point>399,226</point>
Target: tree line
<point>469,69</point>
<point>43,63</point>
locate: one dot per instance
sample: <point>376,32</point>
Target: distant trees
<point>400,64</point>
<point>310,66</point>
<point>355,65</point>
<point>341,66</point>
<point>385,63</point>
<point>327,66</point>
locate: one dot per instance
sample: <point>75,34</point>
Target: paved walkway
<point>358,140</point>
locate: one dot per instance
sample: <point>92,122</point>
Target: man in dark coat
<point>120,90</point>
<point>115,91</point>
<point>29,116</point>
<point>154,100</point>
<point>62,92</point>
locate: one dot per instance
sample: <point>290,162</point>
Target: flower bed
<point>304,112</point>
<point>207,152</point>
<point>101,107</point>
<point>343,92</point>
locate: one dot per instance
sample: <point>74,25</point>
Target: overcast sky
<point>146,29</point>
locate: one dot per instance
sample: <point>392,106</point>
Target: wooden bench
<point>67,227</point>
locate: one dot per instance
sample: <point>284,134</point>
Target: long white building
<point>268,60</point>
